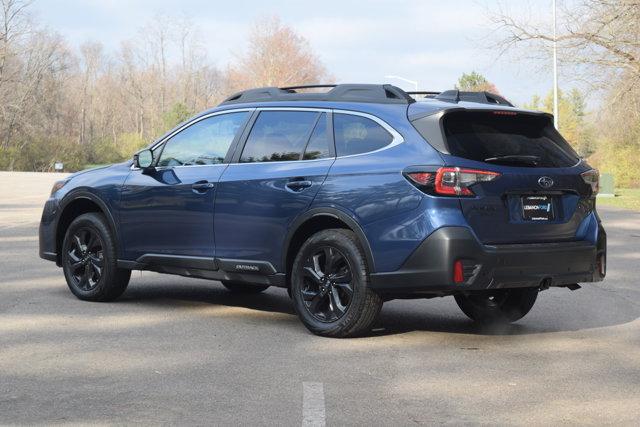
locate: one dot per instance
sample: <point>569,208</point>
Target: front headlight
<point>58,185</point>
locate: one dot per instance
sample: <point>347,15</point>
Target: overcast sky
<point>431,41</point>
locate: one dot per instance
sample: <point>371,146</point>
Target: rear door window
<point>507,139</point>
<point>357,134</point>
<point>279,136</point>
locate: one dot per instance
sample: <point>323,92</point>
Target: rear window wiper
<point>529,160</point>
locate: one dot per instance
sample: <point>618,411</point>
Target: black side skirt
<point>246,271</point>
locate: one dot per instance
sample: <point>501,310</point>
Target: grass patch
<point>628,198</point>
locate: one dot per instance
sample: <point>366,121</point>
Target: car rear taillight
<point>450,181</point>
<point>592,177</point>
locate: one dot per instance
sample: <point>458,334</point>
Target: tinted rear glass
<point>520,140</point>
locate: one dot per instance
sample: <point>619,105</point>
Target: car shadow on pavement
<point>270,301</point>
<point>390,324</point>
<point>554,313</point>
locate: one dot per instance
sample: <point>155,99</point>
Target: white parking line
<point>313,405</point>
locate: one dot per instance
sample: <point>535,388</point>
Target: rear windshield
<point>514,140</point>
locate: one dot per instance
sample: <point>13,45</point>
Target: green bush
<point>40,155</point>
<point>621,161</point>
<point>178,114</point>
<point>110,151</point>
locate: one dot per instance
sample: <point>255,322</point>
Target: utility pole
<point>555,70</point>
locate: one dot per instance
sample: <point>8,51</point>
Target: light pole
<point>555,70</point>
<point>413,82</point>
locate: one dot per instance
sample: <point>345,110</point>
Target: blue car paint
<point>102,185</point>
<point>249,211</point>
<point>160,213</point>
<point>254,207</point>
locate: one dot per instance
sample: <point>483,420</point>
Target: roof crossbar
<point>381,94</point>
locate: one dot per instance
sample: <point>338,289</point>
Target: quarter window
<point>279,136</point>
<point>318,146</point>
<point>203,143</point>
<point>357,134</point>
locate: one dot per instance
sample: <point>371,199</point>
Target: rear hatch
<point>538,193</point>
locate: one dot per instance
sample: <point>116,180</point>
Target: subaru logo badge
<point>545,182</point>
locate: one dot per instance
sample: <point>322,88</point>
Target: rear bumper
<point>429,270</point>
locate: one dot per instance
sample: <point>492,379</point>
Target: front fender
<point>66,206</point>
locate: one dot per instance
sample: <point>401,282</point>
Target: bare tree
<point>600,41</point>
<point>14,25</point>
<point>277,56</point>
<point>600,34</point>
<point>92,106</point>
<point>91,55</point>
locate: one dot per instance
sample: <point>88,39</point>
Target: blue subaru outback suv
<point>348,198</point>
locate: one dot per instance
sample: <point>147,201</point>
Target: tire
<point>339,303</point>
<point>89,260</point>
<point>243,288</point>
<point>498,306</point>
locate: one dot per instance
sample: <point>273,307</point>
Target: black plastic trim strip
<point>246,266</point>
<point>49,256</point>
<point>243,266</point>
<point>201,263</point>
<point>184,266</point>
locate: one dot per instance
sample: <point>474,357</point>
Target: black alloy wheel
<point>330,285</point>
<point>85,258</point>
<point>327,290</point>
<point>89,260</point>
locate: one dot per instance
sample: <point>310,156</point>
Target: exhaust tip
<point>545,284</point>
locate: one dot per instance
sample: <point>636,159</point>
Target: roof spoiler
<point>479,97</point>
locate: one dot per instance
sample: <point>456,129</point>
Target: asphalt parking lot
<point>174,350</point>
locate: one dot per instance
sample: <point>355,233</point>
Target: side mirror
<point>143,159</point>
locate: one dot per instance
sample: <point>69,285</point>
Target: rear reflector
<point>602,265</point>
<point>458,272</point>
